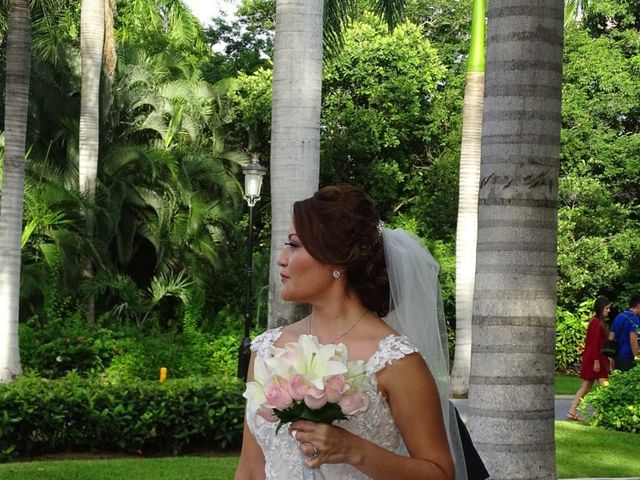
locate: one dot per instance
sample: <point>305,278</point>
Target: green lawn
<point>581,451</point>
<point>566,384</point>
<point>166,468</point>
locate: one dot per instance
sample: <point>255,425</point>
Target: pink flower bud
<point>315,398</point>
<point>297,387</point>
<point>354,403</point>
<point>334,387</point>
<point>267,414</point>
<point>279,398</point>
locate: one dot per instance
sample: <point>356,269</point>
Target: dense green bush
<point>571,329</point>
<point>617,406</point>
<point>57,346</point>
<point>120,353</point>
<point>41,416</point>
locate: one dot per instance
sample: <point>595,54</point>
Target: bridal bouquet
<point>307,380</point>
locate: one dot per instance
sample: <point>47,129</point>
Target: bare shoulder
<point>408,372</point>
<point>291,332</point>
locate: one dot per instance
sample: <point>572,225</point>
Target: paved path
<point>562,406</point>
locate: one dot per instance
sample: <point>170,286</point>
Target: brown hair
<point>598,306</point>
<point>338,226</point>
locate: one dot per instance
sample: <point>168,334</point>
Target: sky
<point>205,9</point>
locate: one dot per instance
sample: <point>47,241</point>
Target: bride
<point>376,291</point>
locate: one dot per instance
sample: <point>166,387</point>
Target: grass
<point>567,384</point>
<point>166,468</point>
<point>584,451</point>
<point>581,451</point>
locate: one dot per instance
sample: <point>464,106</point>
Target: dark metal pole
<point>244,355</point>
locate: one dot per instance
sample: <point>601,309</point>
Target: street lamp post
<point>253,174</point>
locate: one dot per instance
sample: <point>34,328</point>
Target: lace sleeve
<point>262,342</point>
<point>391,348</point>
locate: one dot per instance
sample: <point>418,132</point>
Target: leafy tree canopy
<point>598,219</point>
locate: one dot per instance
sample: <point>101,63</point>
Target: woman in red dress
<point>594,363</point>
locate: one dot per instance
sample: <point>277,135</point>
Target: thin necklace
<point>353,325</point>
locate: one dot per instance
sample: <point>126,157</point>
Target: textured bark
<point>91,48</point>
<point>511,392</point>
<point>91,45</point>
<point>467,228</point>
<point>469,184</point>
<point>18,71</point>
<point>109,49</point>
<point>295,130</point>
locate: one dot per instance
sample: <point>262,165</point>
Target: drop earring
<point>337,274</point>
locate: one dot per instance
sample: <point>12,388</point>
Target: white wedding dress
<point>283,460</point>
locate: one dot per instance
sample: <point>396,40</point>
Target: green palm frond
<point>235,157</point>
<point>203,90</point>
<point>191,127</point>
<point>173,284</point>
<point>337,14</point>
<point>155,121</point>
<point>573,10</point>
<point>391,11</point>
<point>49,27</point>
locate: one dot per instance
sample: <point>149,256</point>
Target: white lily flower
<point>317,361</point>
<point>310,359</point>
<point>356,376</point>
<point>254,392</point>
<point>261,372</point>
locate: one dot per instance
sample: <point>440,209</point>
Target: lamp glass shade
<point>253,174</point>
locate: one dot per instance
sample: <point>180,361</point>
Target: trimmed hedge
<point>39,416</point>
<point>617,406</point>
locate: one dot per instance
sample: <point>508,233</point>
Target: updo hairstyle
<point>598,306</point>
<point>338,226</point>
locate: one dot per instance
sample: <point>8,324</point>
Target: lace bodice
<point>282,457</point>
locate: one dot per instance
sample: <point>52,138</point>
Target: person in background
<point>594,363</point>
<point>624,331</point>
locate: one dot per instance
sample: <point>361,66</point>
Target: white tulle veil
<point>416,311</point>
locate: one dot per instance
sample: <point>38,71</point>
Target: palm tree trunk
<point>295,130</point>
<point>511,399</point>
<point>109,53</point>
<point>91,47</point>
<point>469,184</point>
<point>18,71</point>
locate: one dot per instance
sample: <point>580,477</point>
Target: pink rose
<point>315,398</point>
<point>277,397</point>
<point>267,414</point>
<point>334,387</point>
<point>354,403</point>
<point>297,387</point>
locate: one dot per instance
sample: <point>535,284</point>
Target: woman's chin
<point>289,296</point>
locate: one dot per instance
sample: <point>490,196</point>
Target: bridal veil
<point>416,312</point>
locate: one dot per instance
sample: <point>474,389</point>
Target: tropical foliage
<point>183,111</point>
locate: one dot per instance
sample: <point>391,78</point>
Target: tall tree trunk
<point>295,130</point>
<point>18,71</point>
<point>511,392</point>
<point>109,54</point>
<point>91,46</point>
<point>467,226</point>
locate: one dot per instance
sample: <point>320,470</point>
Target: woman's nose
<point>280,261</point>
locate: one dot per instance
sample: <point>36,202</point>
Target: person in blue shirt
<point>624,331</point>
